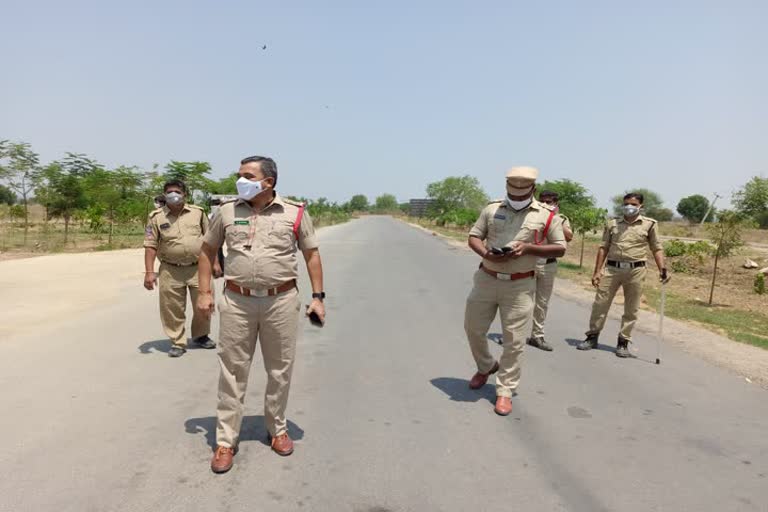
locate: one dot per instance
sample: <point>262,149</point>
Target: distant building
<point>419,207</point>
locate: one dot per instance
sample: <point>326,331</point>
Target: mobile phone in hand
<point>314,319</point>
<point>497,251</point>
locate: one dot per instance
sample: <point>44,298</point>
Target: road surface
<point>97,418</point>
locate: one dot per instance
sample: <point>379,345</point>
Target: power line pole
<point>711,206</point>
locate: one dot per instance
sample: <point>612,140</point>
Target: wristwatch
<point>320,296</point>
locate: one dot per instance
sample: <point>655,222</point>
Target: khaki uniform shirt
<point>628,242</point>
<point>261,246</point>
<point>500,225</point>
<point>177,238</point>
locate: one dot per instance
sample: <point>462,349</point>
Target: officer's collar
<point>167,210</point>
<point>276,200</point>
<point>625,221</point>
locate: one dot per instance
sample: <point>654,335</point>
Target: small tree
<point>386,203</point>
<point>584,220</point>
<point>694,208</point>
<point>752,200</point>
<point>7,196</point>
<point>572,195</point>
<point>760,283</point>
<point>18,166</point>
<point>60,190</point>
<point>358,203</point>
<point>454,193</point>
<point>726,236</point>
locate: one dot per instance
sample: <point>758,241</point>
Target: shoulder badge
<point>293,203</point>
<point>495,201</point>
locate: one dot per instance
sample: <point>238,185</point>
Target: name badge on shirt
<point>500,216</point>
<point>165,226</point>
<point>241,223</point>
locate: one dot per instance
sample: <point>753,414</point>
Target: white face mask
<point>247,189</point>
<point>630,210</point>
<point>519,205</point>
<point>174,198</point>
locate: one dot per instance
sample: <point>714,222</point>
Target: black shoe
<point>540,343</point>
<point>204,342</point>
<point>176,351</point>
<point>589,343</point>
<point>622,348</point>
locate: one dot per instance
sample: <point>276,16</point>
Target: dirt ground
<point>746,360</point>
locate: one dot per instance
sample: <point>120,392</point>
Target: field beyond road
<point>99,418</point>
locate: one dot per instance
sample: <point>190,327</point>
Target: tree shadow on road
<point>458,390</point>
<point>252,429</point>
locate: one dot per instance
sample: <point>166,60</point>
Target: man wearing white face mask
<point>510,236</point>
<point>174,235</point>
<point>623,251</point>
<point>261,303</point>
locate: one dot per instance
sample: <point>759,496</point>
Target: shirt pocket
<point>236,235</point>
<point>281,235</point>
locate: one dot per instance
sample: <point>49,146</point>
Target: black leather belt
<point>178,264</point>
<point>551,260</point>
<point>625,264</point>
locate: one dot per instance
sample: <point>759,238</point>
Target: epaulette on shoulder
<point>495,201</point>
<point>154,212</point>
<point>194,206</point>
<point>652,221</point>
<point>297,204</point>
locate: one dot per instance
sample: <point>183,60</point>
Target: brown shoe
<point>282,445</point>
<point>222,459</point>
<point>479,379</point>
<point>503,406</point>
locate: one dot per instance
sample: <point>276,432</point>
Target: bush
<point>462,217</point>
<point>760,283</point>
<point>675,248</point>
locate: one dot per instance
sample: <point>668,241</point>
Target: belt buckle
<point>259,293</point>
<point>625,265</point>
<point>503,277</point>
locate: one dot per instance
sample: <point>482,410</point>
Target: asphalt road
<point>95,417</point>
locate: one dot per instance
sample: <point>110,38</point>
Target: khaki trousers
<point>513,300</point>
<point>631,281</point>
<point>545,283</point>
<point>245,320</point>
<point>173,283</point>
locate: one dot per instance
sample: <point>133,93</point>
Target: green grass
<point>745,326</point>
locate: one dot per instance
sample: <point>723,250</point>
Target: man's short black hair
<point>635,195</point>
<point>267,165</point>
<point>160,199</point>
<point>175,183</point>
<point>549,193</point>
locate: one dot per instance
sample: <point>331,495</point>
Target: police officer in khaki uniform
<point>623,251</point>
<point>509,236</point>
<point>546,271</point>
<point>260,302</point>
<point>174,235</point>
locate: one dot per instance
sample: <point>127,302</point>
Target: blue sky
<point>353,97</point>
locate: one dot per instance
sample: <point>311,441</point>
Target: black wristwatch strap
<point>320,295</point>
